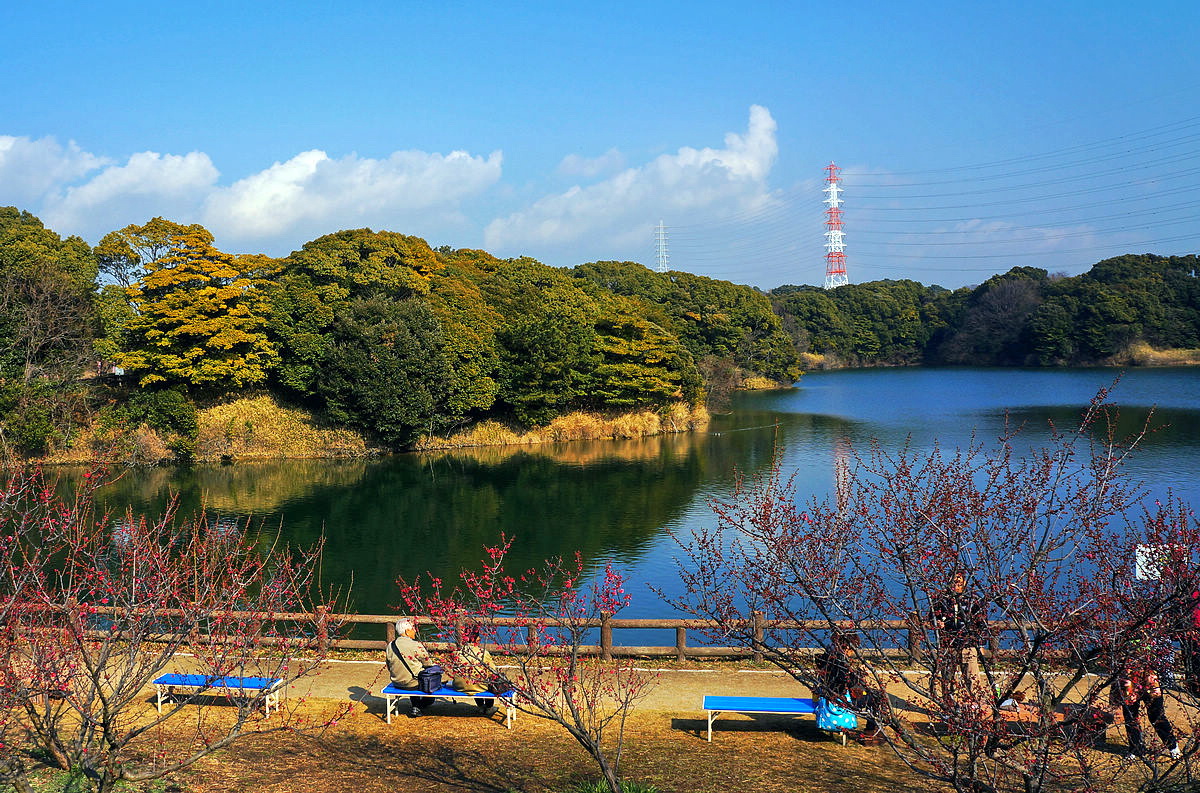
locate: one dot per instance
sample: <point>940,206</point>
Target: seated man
<point>473,667</point>
<point>405,658</point>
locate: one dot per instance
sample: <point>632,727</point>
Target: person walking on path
<point>959,619</point>
<point>405,658</point>
<point>1136,683</point>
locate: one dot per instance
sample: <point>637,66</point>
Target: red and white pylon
<point>835,239</point>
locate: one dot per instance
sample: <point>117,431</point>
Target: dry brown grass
<point>454,749</point>
<point>259,428</point>
<point>578,426</point>
<point>139,446</point>
<point>758,383</point>
<point>812,360</point>
<point>1142,354</point>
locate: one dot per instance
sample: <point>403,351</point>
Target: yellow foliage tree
<point>201,316</point>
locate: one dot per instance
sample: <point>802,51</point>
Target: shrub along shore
<point>260,428</point>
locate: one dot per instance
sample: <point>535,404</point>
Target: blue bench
<point>227,686</point>
<point>778,706</point>
<point>392,694</point>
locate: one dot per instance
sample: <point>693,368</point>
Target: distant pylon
<point>835,238</point>
<point>661,257</point>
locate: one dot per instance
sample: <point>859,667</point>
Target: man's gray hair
<point>404,626</point>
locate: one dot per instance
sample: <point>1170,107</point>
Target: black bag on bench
<point>429,679</point>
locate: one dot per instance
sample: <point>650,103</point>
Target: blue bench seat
<point>779,706</point>
<point>226,686</point>
<point>392,694</point>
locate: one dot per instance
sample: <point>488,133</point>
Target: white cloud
<point>318,194</point>
<point>148,184</point>
<point>75,192</point>
<point>591,167</point>
<point>29,169</point>
<point>692,183</point>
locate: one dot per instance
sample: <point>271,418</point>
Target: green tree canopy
<point>387,370</point>
<point>712,318</point>
<point>47,284</point>
<point>200,317</point>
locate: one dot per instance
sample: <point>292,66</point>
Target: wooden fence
<point>322,628</point>
<point>606,626</point>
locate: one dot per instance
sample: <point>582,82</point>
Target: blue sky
<point>975,136</point>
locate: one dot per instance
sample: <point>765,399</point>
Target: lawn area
<point>455,750</point>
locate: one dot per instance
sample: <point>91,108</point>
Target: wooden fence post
<point>605,636</point>
<point>390,632</point>
<point>681,643</point>
<point>756,620</point>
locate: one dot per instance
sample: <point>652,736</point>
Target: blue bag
<point>831,716</point>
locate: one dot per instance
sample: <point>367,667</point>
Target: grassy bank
<point>1142,354</point>
<point>260,428</point>
<point>579,426</point>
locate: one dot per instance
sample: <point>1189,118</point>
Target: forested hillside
<point>1022,318</point>
<point>372,331</point>
<point>375,334</point>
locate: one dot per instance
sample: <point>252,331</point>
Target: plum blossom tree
<point>93,610</point>
<point>1043,545</point>
<point>542,620</point>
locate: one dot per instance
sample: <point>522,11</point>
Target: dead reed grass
<point>259,428</point>
<point>578,426</point>
<point>141,445</point>
<point>758,383</point>
<point>1142,354</point>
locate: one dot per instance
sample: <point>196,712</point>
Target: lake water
<point>618,500</point>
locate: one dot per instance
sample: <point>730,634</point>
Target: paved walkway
<point>678,691</point>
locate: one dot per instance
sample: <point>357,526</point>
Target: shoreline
<point>260,429</point>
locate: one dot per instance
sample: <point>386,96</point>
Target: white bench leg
<point>158,697</point>
<point>387,707</point>
<point>712,714</point>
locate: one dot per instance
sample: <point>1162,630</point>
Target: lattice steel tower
<point>835,238</point>
<point>661,257</point>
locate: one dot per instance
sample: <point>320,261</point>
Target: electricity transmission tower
<point>835,240</point>
<point>661,257</point>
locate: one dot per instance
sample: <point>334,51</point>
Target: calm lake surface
<point>618,500</point>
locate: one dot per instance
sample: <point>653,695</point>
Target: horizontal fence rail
<point>319,630</point>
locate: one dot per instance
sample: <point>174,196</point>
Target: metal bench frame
<point>230,686</point>
<point>392,695</point>
<point>775,706</point>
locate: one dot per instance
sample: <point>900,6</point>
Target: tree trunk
<point>610,774</point>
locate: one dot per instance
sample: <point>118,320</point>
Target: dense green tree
<point>361,263</point>
<point>714,319</point>
<point>319,280</point>
<point>200,317</point>
<point>993,328</point>
<point>469,327</point>
<point>387,371</point>
<point>639,364</point>
<point>301,324</point>
<point>47,283</point>
<point>546,343</point>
